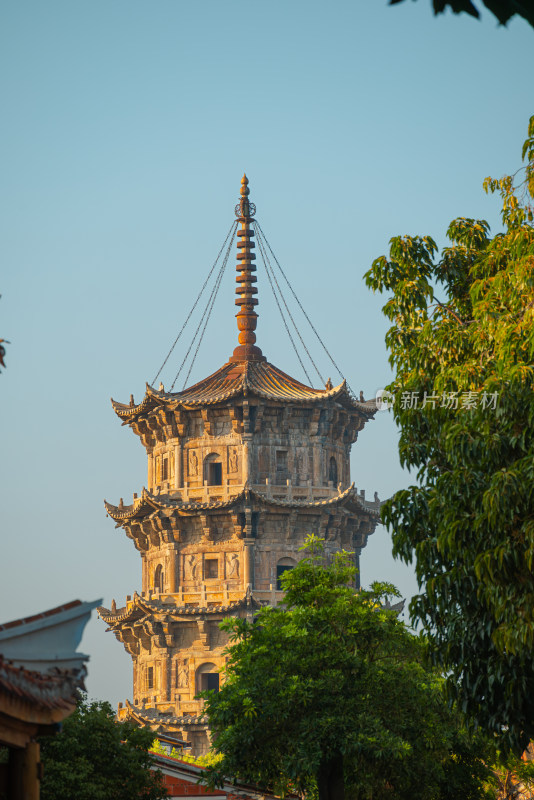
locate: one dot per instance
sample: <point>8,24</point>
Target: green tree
<point>330,691</point>
<point>504,10</point>
<point>96,758</point>
<point>462,346</point>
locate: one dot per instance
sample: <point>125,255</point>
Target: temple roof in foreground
<point>47,641</point>
<point>43,692</point>
<point>40,671</point>
<point>256,378</point>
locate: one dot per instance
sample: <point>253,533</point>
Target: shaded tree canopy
<point>96,758</point>
<point>330,692</point>
<point>462,349</point>
<point>504,10</point>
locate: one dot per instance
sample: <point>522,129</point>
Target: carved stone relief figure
<point>183,676</point>
<point>233,461</point>
<point>193,463</point>
<point>190,568</point>
<point>232,565</point>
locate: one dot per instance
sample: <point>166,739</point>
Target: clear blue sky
<point>126,127</point>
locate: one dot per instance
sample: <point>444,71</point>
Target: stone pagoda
<point>242,466</point>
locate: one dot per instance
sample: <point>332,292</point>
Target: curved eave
<point>148,503</point>
<point>128,412</point>
<point>145,717</point>
<point>356,502</point>
<point>348,498</point>
<point>141,506</point>
<point>262,380</point>
<point>142,608</point>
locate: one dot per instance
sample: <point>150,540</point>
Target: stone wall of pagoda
<point>255,442</point>
<point>182,564</point>
<point>167,672</point>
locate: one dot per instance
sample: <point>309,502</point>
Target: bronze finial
<point>246,316</point>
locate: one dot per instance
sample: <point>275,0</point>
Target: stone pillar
<point>164,693</point>
<point>144,575</point>
<point>248,565</point>
<point>317,464</point>
<point>245,462</point>
<point>178,466</point>
<point>172,568</point>
<point>24,769</point>
<point>150,472</point>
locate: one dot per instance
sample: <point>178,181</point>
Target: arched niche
<point>207,677</point>
<point>332,471</point>
<point>283,565</point>
<point>158,578</point>
<point>213,469</point>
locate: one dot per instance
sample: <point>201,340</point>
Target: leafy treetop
<point>330,692</point>
<point>96,758</point>
<point>504,10</point>
<point>461,345</point>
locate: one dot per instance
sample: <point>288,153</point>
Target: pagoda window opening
<point>211,568</point>
<point>165,469</point>
<point>283,565</point>
<point>150,678</point>
<point>281,466</point>
<point>332,471</point>
<point>213,470</point>
<point>158,578</point>
<point>207,678</point>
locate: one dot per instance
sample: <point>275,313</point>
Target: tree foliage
<point>504,10</point>
<point>207,760</point>
<point>513,778</point>
<point>330,690</point>
<point>462,347</point>
<point>96,758</point>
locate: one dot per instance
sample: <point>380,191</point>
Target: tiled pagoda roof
<point>257,378</point>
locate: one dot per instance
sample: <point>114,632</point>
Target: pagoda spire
<point>246,316</point>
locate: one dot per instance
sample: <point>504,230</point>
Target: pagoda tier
<point>253,419</point>
<point>234,380</point>
<point>242,467</point>
<point>244,538</point>
<point>194,728</point>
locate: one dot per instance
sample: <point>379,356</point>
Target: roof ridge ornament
<point>246,316</point>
